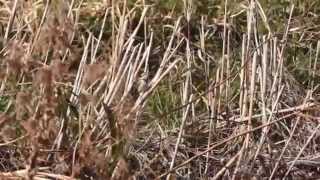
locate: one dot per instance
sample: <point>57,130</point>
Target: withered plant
<point>159,90</point>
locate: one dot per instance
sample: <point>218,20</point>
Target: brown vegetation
<point>144,90</point>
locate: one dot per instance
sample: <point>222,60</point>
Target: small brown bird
<point>142,82</point>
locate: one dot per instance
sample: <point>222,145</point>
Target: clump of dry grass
<point>103,91</point>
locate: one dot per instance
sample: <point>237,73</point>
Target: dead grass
<point>135,90</point>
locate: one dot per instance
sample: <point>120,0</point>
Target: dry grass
<point>127,90</point>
